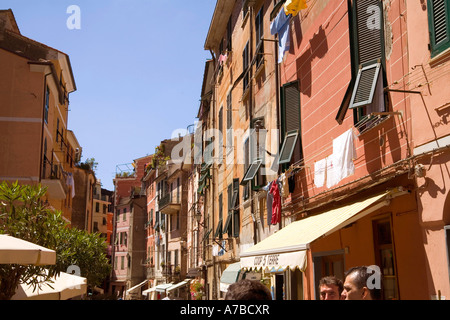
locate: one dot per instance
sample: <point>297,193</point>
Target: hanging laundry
<point>344,152</point>
<point>340,164</point>
<point>294,6</point>
<point>320,168</point>
<point>291,183</point>
<point>222,59</point>
<point>70,182</point>
<point>280,25</point>
<point>215,250</point>
<point>222,249</point>
<point>284,186</point>
<point>269,202</point>
<point>276,205</point>
<point>331,175</point>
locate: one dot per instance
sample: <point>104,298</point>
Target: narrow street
<point>276,150</point>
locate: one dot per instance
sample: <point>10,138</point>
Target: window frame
<point>246,178</point>
<point>373,88</point>
<point>283,146</point>
<point>359,115</point>
<point>438,48</point>
<point>46,103</point>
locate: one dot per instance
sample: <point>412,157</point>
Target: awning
<point>179,284</point>
<point>163,287</point>
<point>63,287</point>
<point>145,292</point>
<point>17,251</point>
<point>229,276</point>
<point>287,247</point>
<point>137,286</point>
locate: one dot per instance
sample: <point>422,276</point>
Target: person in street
<point>330,288</point>
<point>362,283</point>
<point>248,290</point>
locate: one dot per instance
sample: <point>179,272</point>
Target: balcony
<point>170,203</point>
<point>54,179</point>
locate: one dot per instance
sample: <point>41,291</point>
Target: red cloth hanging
<point>276,204</point>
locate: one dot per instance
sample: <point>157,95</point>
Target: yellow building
<point>35,82</point>
<point>239,100</point>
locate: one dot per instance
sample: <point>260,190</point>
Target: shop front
<point>294,259</point>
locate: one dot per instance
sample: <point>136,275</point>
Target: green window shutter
<point>219,230</point>
<point>345,102</point>
<point>290,121</point>
<point>206,235</point>
<point>365,86</point>
<point>245,63</point>
<point>227,227</point>
<point>288,147</point>
<point>439,25</point>
<point>236,224</point>
<point>290,106</point>
<point>252,171</point>
<point>369,27</point>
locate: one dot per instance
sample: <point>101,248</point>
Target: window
<point>122,263</point>
<point>246,192</point>
<point>178,190</point>
<point>236,209</point>
<point>384,255</point>
<point>219,231</point>
<point>229,34</point>
<point>47,104</point>
<point>228,225</point>
<point>290,123</point>
<point>259,33</point>
<point>288,146</point>
<point>252,171</point>
<point>245,64</point>
<point>439,25</point>
<point>365,94</point>
<point>232,224</point>
<point>57,130</point>
<point>229,124</point>
<point>220,124</point>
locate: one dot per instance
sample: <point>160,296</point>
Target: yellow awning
<point>287,247</point>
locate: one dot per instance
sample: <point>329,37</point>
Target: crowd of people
<point>360,283</point>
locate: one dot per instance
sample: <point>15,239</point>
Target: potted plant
<point>197,288</point>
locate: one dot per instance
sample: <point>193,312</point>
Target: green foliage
<point>159,159</point>
<point>24,215</point>
<point>89,164</point>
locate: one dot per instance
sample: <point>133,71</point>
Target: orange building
<point>362,113</point>
<point>35,82</point>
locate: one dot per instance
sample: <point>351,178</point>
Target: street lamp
<point>198,217</point>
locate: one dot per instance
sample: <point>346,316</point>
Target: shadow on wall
<point>318,47</point>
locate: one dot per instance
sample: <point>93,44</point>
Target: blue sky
<point>138,67</point>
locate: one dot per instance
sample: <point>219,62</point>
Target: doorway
<point>330,263</point>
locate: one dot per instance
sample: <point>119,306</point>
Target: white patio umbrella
<point>17,251</point>
<point>65,286</point>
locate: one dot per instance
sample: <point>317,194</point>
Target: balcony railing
<point>170,203</point>
<point>54,179</point>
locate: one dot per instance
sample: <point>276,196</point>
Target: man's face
<point>329,292</point>
<point>352,292</point>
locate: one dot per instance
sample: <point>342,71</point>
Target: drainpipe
<point>212,191</point>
